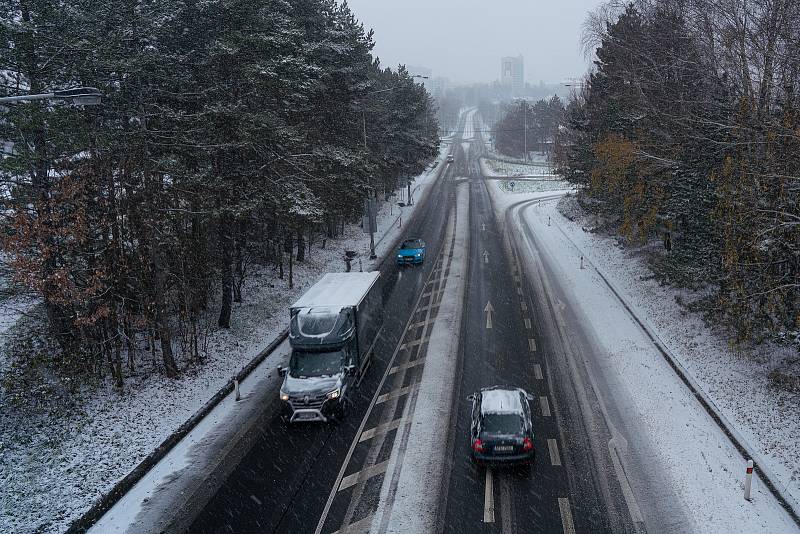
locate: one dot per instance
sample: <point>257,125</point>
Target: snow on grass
<point>497,168</point>
<point>734,376</point>
<point>55,465</point>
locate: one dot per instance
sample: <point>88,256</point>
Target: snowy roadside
<point>704,470</point>
<point>74,457</point>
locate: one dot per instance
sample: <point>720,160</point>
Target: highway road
<point>344,477</point>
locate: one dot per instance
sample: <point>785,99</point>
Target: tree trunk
<point>226,250</point>
<point>301,247</point>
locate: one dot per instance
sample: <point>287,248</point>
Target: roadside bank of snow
<point>55,466</point>
<point>700,463</point>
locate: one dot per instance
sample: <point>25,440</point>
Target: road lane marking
<point>409,365</point>
<point>519,291</point>
<point>364,474</point>
<point>527,323</point>
<point>622,477</point>
<point>537,371</point>
<point>489,310</point>
<point>516,278</point>
<point>532,344</point>
<point>488,498</point>
<point>380,429</point>
<point>358,527</point>
<point>552,445</point>
<point>523,305</point>
<point>414,343</point>
<point>545,406</point>
<point>485,257</point>
<point>396,393</point>
<point>566,516</point>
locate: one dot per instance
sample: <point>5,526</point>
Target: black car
<point>502,432</point>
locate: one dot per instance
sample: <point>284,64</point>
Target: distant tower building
<point>512,74</point>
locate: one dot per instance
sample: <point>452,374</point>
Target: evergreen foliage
<point>229,129</point>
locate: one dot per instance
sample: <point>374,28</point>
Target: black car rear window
<point>502,423</point>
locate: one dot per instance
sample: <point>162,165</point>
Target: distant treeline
<point>231,131</point>
<point>686,133</point>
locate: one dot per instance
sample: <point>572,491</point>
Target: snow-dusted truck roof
<point>338,290</point>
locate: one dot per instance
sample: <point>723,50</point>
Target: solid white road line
<point>545,406</point>
<point>532,344</point>
<point>527,323</point>
<point>380,429</point>
<point>394,394</point>
<point>566,516</point>
<point>488,498</point>
<point>555,459</point>
<point>537,371</point>
<point>412,363</point>
<point>364,474</point>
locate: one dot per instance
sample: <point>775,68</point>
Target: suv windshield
<point>411,243</point>
<point>308,364</point>
<point>502,423</point>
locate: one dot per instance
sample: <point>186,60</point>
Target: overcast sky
<point>464,39</point>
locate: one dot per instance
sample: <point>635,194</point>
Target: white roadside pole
<point>748,480</point>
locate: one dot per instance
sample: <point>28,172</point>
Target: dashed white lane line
<point>545,406</point>
<point>537,371</point>
<point>519,291</point>
<point>552,445</point>
<point>358,527</point>
<point>488,498</point>
<point>414,343</point>
<point>523,305</point>
<point>527,323</point>
<point>566,515</point>
<point>364,474</point>
<point>394,394</point>
<point>380,429</point>
<point>409,365</point>
<point>532,344</point>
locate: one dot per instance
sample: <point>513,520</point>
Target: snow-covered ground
<point>56,465</point>
<point>500,168</point>
<point>696,460</point>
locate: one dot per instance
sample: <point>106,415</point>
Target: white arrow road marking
<point>485,257</point>
<point>488,498</point>
<point>483,227</point>
<point>489,311</point>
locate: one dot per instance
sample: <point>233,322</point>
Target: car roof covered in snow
<point>338,290</point>
<point>501,401</point>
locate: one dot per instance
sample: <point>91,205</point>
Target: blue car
<point>412,252</point>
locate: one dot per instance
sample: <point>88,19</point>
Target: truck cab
<point>331,331</point>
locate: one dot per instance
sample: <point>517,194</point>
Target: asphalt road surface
<point>327,478</point>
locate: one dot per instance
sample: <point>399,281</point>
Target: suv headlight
<point>284,397</point>
<point>334,394</point>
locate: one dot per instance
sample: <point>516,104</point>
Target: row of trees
<point>688,130</point>
<point>525,127</point>
<point>231,131</point>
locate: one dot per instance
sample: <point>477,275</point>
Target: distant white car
<point>450,158</point>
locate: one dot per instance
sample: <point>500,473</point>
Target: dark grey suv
<point>502,431</point>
